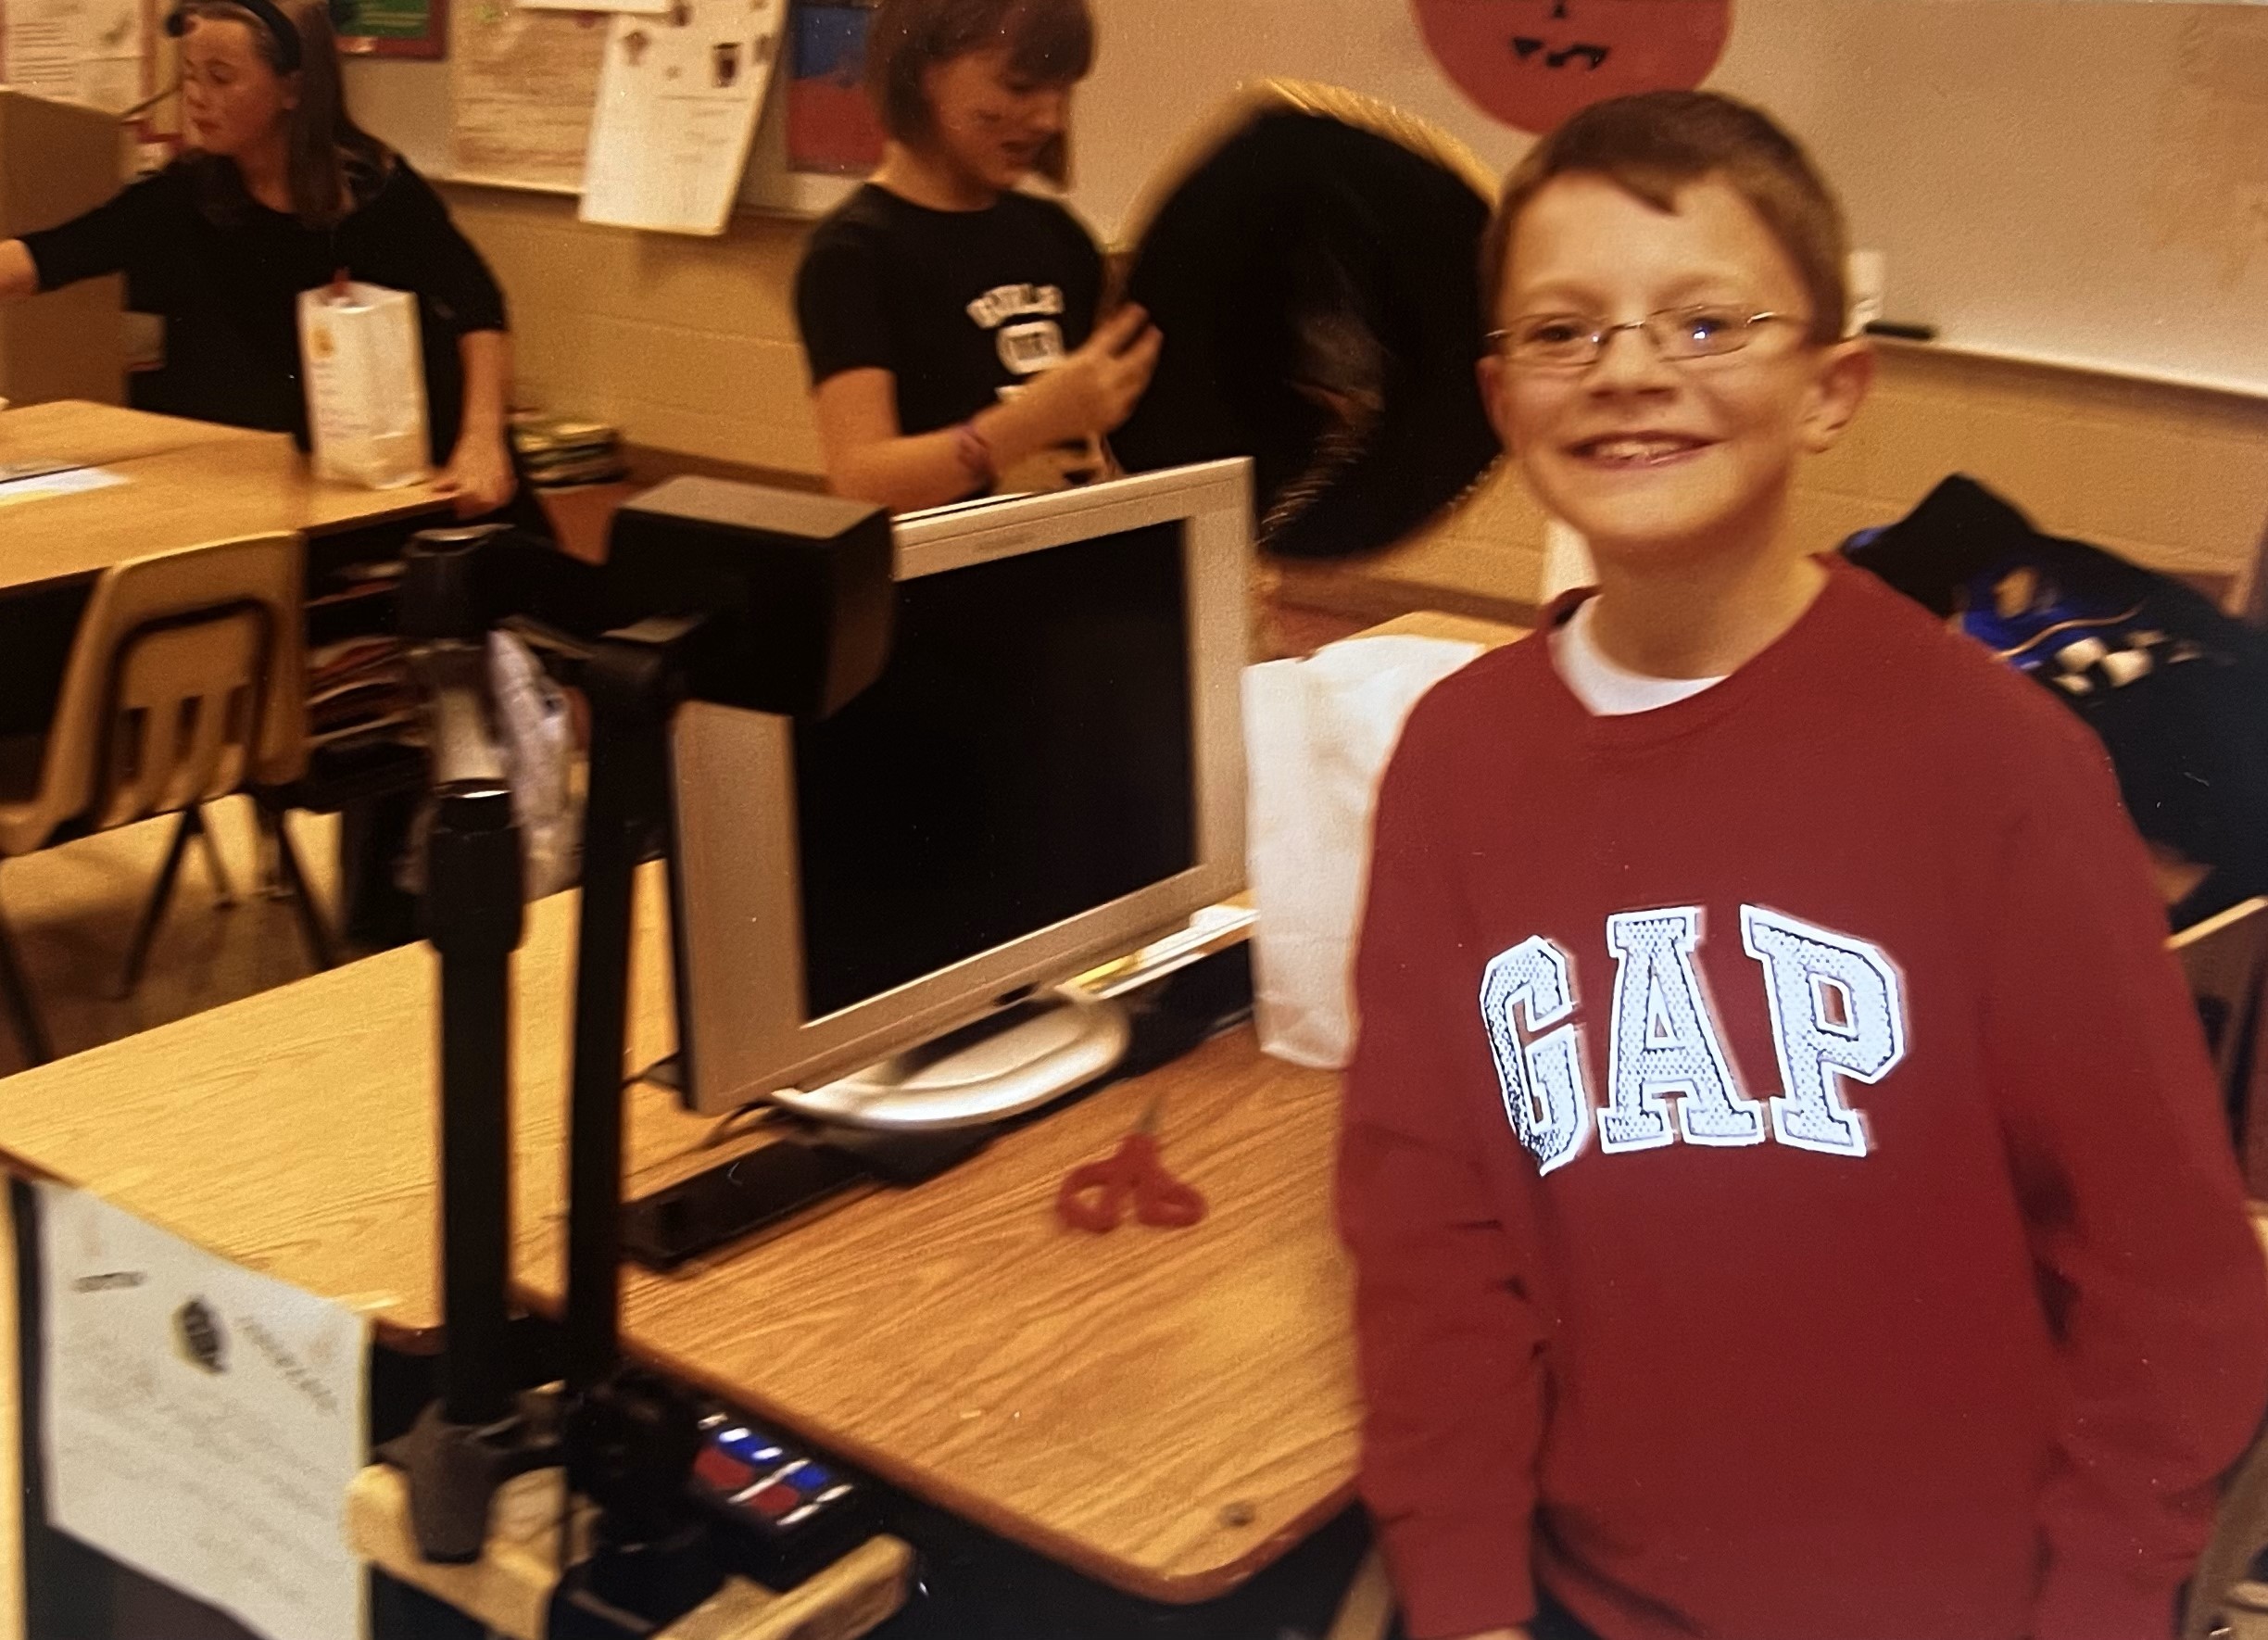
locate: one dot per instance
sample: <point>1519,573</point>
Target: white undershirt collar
<point>1605,688</point>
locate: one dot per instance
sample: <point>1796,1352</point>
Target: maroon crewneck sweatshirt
<point>1787,1181</point>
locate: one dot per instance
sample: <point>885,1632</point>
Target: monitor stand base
<point>1012,1061</point>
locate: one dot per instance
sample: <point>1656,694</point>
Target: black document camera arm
<point>763,600</point>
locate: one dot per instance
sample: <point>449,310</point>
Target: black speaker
<point>797,587</point>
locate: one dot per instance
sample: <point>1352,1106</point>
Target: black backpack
<point>2176,688</point>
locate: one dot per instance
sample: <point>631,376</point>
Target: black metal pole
<point>473,911</point>
<point>629,688</point>
<point>477,1435</point>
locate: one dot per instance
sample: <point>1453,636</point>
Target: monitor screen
<point>1024,756</point>
<point>1048,774</point>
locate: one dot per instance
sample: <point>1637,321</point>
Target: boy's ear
<point>1845,373</point>
<point>1490,369</point>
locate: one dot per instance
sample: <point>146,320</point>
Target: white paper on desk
<point>678,97</point>
<point>71,481</point>
<point>202,1423</point>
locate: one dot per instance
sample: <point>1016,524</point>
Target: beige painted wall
<point>2173,478</point>
<point>684,344</point>
<point>690,344</point>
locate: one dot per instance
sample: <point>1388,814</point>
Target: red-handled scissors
<point>1095,1194</point>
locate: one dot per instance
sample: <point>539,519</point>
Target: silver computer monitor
<point>1049,772</point>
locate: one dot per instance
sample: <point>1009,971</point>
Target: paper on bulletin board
<point>643,7</point>
<point>201,1422</point>
<point>677,106</point>
<point>96,51</point>
<point>522,87</point>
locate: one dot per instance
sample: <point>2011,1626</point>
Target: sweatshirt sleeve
<point>2153,1278</point>
<point>1446,1341</point>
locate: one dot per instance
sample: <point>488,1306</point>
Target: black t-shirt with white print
<point>956,305</point>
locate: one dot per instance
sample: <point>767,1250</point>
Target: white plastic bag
<point>365,378</point>
<point>538,740</point>
<point>1318,733</point>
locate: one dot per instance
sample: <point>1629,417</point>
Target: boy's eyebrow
<point>1578,296</point>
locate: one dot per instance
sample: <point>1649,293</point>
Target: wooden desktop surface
<point>91,434</point>
<point>186,482</point>
<point>296,1131</point>
<point>1164,1410</point>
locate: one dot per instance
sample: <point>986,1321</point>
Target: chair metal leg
<point>154,909</point>
<point>295,883</point>
<point>224,890</point>
<point>23,1014</point>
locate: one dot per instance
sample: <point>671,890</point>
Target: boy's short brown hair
<point>1652,145</point>
<point>1049,43</point>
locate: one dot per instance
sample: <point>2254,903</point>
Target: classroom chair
<point>2225,1599</point>
<point>1367,1609</point>
<point>185,685</point>
<point>2224,958</point>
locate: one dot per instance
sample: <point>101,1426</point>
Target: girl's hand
<point>479,476</point>
<point>1098,386</point>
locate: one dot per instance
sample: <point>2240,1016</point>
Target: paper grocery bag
<point>1318,733</point>
<point>365,377</point>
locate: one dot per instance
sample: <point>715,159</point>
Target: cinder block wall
<point>689,345</point>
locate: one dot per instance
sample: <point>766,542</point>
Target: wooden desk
<point>294,1131</point>
<point>1166,1411</point>
<point>96,434</point>
<point>186,484</point>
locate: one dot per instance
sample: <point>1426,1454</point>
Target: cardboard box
<point>57,159</point>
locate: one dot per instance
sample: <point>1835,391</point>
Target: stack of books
<point>557,451</point>
<point>358,690</point>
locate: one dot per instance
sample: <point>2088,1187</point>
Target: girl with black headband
<point>278,191</point>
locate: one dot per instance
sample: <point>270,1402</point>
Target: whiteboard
<point>2049,178</point>
<point>2085,183</point>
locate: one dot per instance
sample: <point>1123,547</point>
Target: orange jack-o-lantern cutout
<point>1531,63</point>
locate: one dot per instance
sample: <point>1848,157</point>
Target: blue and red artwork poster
<point>1531,63</point>
<point>831,126</point>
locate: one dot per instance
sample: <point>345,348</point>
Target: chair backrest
<point>2225,961</point>
<point>2240,1526</point>
<point>187,682</point>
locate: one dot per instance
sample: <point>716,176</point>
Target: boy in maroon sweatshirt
<point>1781,1159</point>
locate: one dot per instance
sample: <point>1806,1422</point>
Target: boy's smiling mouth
<point>1638,450</point>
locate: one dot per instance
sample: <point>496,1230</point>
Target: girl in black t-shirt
<point>948,319</point>
<point>279,191</point>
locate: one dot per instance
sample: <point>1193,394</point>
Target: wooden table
<point>1166,1411</point>
<point>93,435</point>
<point>186,482</point>
<point>294,1131</point>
